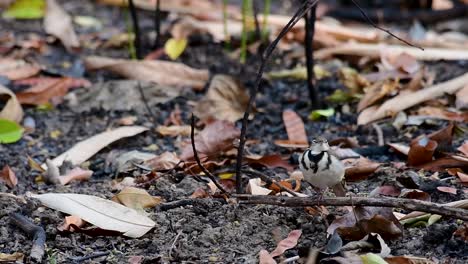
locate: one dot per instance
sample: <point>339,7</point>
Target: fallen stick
<point>408,204</point>
<point>35,231</point>
<point>374,50</point>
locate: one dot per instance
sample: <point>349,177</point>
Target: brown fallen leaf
<point>174,131</point>
<point>462,98</point>
<point>270,161</point>
<point>11,258</point>
<point>12,109</point>
<point>226,99</point>
<point>444,137</point>
<point>265,258</point>
<point>291,144</point>
<point>359,169</point>
<point>294,127</point>
<point>463,177</point>
<point>216,137</point>
<point>442,164</point>
<point>287,243</point>
<point>199,193</point>
<point>435,112</point>
<point>403,101</point>
<point>76,174</point>
<point>58,22</point>
<point>18,69</point>
<point>8,176</point>
<point>408,260</point>
<point>370,220</point>
<point>165,161</point>
<point>376,92</point>
<point>399,61</point>
<point>48,90</point>
<point>417,195</point>
<point>446,189</point>
<point>69,221</point>
<point>161,72</point>
<point>136,198</point>
<point>462,232</point>
<point>464,148</point>
<point>421,151</point>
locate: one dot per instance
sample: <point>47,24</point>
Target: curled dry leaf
<point>376,92</point>
<point>288,144</point>
<point>404,101</point>
<point>18,69</point>
<point>270,161</point>
<point>85,149</point>
<point>165,161</point>
<point>421,151</point>
<point>359,169</point>
<point>370,220</point>
<point>435,112</point>
<point>446,189</point>
<point>100,212</point>
<point>48,90</point>
<point>57,22</point>
<point>8,176</point>
<point>294,127</point>
<point>265,258</point>
<point>136,198</point>
<point>216,137</point>
<point>255,187</point>
<point>12,109</point>
<point>69,222</point>
<point>444,137</point>
<point>161,72</point>
<point>174,131</point>
<point>226,99</point>
<point>399,61</point>
<point>287,243</point>
<point>76,174</point>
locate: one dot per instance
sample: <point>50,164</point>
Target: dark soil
<point>211,230</point>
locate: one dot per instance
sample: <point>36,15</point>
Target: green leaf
<point>299,73</point>
<point>26,9</point>
<point>371,258</point>
<point>175,47</point>
<point>10,131</point>
<point>317,114</point>
<point>433,219</point>
<point>340,97</point>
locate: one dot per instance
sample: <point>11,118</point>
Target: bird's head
<point>319,144</point>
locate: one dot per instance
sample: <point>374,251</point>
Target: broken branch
<point>35,231</point>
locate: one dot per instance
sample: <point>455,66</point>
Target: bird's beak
<point>325,146</point>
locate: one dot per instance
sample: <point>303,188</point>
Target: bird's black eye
<point>314,141</point>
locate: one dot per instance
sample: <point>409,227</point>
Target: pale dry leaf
<point>174,131</point>
<point>8,176</point>
<point>58,23</point>
<point>294,127</point>
<point>12,109</point>
<point>399,61</point>
<point>100,212</point>
<point>216,137</point>
<point>85,149</point>
<point>287,243</point>
<point>265,258</point>
<point>226,99</point>
<point>254,187</point>
<point>464,148</point>
<point>165,161</point>
<point>161,72</point>
<point>18,69</point>
<point>75,174</point>
<point>407,100</point>
<point>376,92</point>
<point>462,98</point>
<point>71,220</point>
<point>136,198</point>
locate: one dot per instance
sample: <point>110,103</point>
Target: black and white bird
<point>320,167</point>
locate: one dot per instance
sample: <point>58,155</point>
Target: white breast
<point>330,171</point>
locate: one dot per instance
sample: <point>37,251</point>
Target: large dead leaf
<point>8,176</point>
<point>294,127</point>
<point>359,169</point>
<point>48,90</point>
<point>57,22</point>
<point>136,198</point>
<point>161,72</point>
<point>270,161</point>
<point>226,99</point>
<point>216,137</point>
<point>12,109</point>
<point>376,92</point>
<point>100,212</point>
<point>165,161</point>
<point>407,100</point>
<point>85,149</point>
<point>370,220</point>
<point>18,69</point>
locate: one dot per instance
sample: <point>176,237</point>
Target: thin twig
<point>136,29</point>
<point>33,230</point>
<point>173,244</point>
<point>381,28</point>
<point>145,102</point>
<point>306,6</point>
<point>310,18</point>
<point>269,181</point>
<point>195,155</point>
<point>408,204</point>
<point>157,24</point>
<point>193,202</point>
<point>258,34</point>
<point>380,136</point>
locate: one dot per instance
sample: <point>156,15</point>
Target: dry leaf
<point>399,61</point>
<point>215,138</point>
<point>407,100</point>
<point>100,212</point>
<point>291,144</point>
<point>294,127</point>
<point>408,260</point>
<point>71,220</point>
<point>464,148</point>
<point>76,174</point>
<point>136,198</point>
<point>254,187</point>
<point>376,92</point>
<point>12,109</point>
<point>165,161</point>
<point>265,258</point>
<point>161,72</point>
<point>421,151</point>
<point>199,193</point>
<point>85,149</point>
<point>359,169</point>
<point>48,90</point>
<point>435,112</point>
<point>16,257</point>
<point>174,131</point>
<point>18,69</point>
<point>270,161</point>
<point>462,98</point>
<point>287,243</point>
<point>57,22</point>
<point>8,176</point>
<point>226,99</point>
<point>446,189</point>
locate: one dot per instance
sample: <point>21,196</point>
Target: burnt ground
<point>211,231</point>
